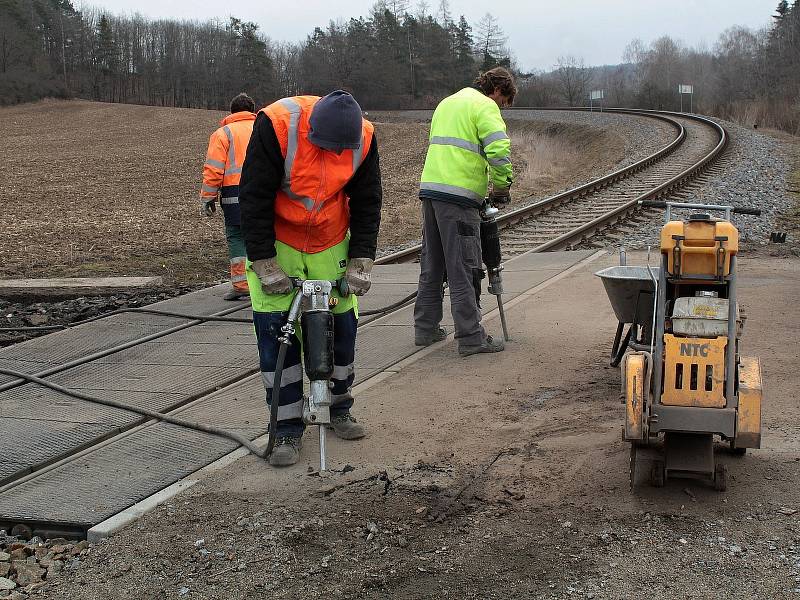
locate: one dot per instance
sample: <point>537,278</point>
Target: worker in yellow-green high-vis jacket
<point>468,149</point>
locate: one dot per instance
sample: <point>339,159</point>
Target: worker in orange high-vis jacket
<point>221,174</point>
<point>311,207</point>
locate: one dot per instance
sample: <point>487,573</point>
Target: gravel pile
<point>28,565</point>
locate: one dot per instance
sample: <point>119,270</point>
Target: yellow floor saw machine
<point>683,379</point>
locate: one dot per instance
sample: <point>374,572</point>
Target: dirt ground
<point>111,189</point>
<point>499,476</point>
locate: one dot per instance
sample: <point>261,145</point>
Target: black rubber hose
<point>239,439</point>
<point>389,308</point>
<point>276,397</point>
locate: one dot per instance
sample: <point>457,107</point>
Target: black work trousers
<point>450,243</point>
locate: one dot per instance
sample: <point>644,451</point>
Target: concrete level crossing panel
<point>185,364</point>
<point>112,477</point>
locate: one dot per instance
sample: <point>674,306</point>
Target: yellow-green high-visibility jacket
<point>468,146</point>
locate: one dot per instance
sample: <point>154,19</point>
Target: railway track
<point>574,216</point>
<point>553,223</point>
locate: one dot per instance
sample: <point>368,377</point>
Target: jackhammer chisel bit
<point>317,326</point>
<point>492,258</point>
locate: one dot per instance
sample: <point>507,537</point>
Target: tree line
<point>392,58</point>
<point>397,56</point>
<point>748,76</point>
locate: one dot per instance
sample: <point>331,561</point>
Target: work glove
<point>273,279</point>
<point>499,196</point>
<point>208,208</point>
<point>359,275</point>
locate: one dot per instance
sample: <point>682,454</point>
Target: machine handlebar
<point>741,210</point>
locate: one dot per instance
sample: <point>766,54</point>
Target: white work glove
<point>359,275</point>
<point>208,208</point>
<point>273,279</point>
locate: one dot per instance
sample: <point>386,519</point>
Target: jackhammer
<point>312,304</point>
<point>492,257</point>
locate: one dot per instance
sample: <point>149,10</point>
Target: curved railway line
<point>558,222</point>
<point>570,217</point>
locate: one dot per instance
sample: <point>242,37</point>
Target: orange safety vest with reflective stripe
<point>311,208</point>
<point>224,159</point>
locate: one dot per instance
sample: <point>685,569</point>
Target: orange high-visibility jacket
<point>311,208</point>
<point>224,159</point>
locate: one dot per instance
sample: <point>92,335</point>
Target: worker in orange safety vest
<point>311,209</point>
<point>221,174</point>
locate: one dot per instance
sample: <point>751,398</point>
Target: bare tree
<point>490,40</point>
<point>443,15</point>
<point>573,77</point>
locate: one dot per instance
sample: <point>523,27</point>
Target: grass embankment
<point>549,157</point>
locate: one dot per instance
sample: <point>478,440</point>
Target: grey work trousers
<point>450,243</point>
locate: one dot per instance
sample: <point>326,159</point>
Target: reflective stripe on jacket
<point>311,208</point>
<point>226,151</point>
<point>468,146</point>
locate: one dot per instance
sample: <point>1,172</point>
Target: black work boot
<point>488,345</point>
<point>286,451</point>
<point>426,338</point>
<point>346,427</point>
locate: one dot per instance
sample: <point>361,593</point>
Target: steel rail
<point>618,213</point>
<point>632,206</point>
<point>118,347</point>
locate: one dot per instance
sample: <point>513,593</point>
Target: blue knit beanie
<point>336,122</point>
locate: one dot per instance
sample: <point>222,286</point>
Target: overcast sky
<point>538,31</point>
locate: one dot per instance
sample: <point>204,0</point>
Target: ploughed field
<point>111,189</point>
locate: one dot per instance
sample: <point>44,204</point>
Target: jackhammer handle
<point>339,285</point>
<point>743,210</point>
<point>653,204</point>
<point>342,286</point>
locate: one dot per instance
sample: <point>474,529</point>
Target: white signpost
<point>596,95</point>
<point>684,88</point>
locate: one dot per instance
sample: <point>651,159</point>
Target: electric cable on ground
<point>233,436</point>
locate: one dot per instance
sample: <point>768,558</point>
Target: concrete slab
<point>127,516</point>
<point>134,465</point>
<point>184,354</point>
<point>46,407</point>
<point>75,287</point>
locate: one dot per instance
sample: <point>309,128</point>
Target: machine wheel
<point>720,478</point>
<point>657,478</point>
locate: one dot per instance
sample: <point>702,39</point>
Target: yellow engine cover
<point>635,396</point>
<point>699,247</point>
<point>694,371</point>
<point>748,416</point>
